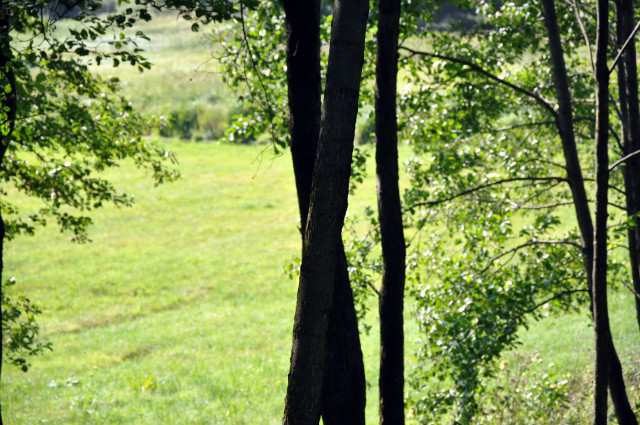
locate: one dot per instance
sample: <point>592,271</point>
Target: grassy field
<point>178,311</point>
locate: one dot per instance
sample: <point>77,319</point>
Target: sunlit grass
<point>178,312</point>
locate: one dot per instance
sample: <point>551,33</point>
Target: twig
<point>584,34</point>
<point>525,245</point>
<point>542,303</point>
<point>633,291</point>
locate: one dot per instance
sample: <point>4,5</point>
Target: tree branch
<point>487,74</point>
<point>542,207</point>
<point>584,35</point>
<point>486,185</point>
<point>511,127</point>
<point>630,288</point>
<point>624,46</point>
<point>542,303</point>
<point>623,159</point>
<point>526,245</point>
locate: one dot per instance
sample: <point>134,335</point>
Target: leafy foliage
<point>252,65</point>
<point>62,126</point>
<point>489,200</point>
<point>70,125</point>
<point>19,329</point>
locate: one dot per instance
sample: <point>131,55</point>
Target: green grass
<point>178,312</point>
<point>183,290</point>
<point>183,83</point>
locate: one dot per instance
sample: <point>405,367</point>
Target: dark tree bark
<point>344,386</point>
<point>564,120</point>
<point>630,111</point>
<point>599,292</point>
<point>391,298</point>
<point>327,208</point>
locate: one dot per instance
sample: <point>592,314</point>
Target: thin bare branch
<point>543,303</point>
<point>372,286</point>
<point>542,207</point>
<point>633,291</point>
<point>584,35</point>
<point>508,128</point>
<point>623,159</point>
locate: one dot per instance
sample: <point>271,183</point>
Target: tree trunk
<point>564,119</point>
<point>599,292</point>
<point>344,388</point>
<point>390,216</point>
<point>628,92</point>
<point>327,208</point>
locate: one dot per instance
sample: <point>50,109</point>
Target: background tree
<point>485,112</point>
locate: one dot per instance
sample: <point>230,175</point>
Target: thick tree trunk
<point>344,387</point>
<point>564,120</point>
<point>327,208</point>
<point>390,216</point>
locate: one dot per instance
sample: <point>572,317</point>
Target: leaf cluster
<point>69,124</point>
<point>19,329</point>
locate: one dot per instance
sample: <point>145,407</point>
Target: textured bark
<point>344,386</point>
<point>391,381</point>
<point>327,208</point>
<point>564,120</point>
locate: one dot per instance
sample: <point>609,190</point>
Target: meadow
<point>178,310</point>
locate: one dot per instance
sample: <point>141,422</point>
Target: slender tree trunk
<point>344,387</point>
<point>327,208</point>
<point>628,91</point>
<point>390,217</point>
<point>564,120</point>
<point>599,292</point>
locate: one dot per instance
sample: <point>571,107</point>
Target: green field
<point>178,311</point>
